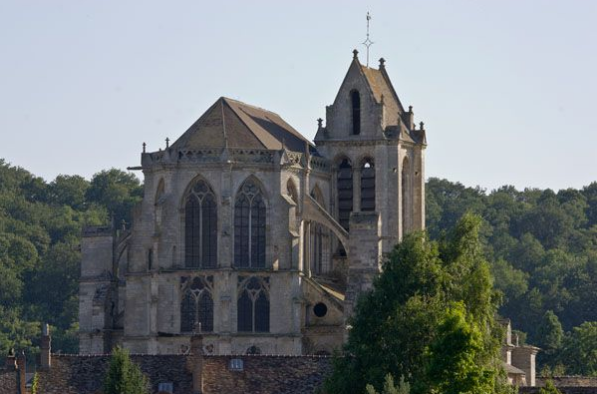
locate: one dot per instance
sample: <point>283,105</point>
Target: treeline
<point>542,248</point>
<point>40,229</point>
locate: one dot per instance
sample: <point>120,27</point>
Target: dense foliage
<point>40,227</point>
<point>124,376</point>
<point>428,318</point>
<point>542,248</point>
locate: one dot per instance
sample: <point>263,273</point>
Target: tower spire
<point>368,41</point>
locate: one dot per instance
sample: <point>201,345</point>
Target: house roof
<point>511,369</point>
<point>8,381</point>
<point>233,124</point>
<point>260,374</point>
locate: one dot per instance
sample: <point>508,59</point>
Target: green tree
<point>549,335</point>
<point>396,325</point>
<point>579,350</point>
<point>453,356</point>
<point>549,388</point>
<point>124,376</point>
<point>390,388</point>
<point>116,190</point>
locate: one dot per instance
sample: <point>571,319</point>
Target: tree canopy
<point>428,318</point>
<point>40,230</point>
<point>542,250</point>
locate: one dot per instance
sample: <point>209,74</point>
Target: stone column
<point>45,348</point>
<point>356,189</point>
<point>364,256</point>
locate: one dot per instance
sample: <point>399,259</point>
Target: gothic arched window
<point>320,240</point>
<point>249,226</point>
<point>197,304</point>
<point>406,195</point>
<point>253,305</point>
<point>344,185</point>
<point>201,223</point>
<point>368,186</point>
<point>355,100</point>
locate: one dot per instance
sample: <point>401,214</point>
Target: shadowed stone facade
<point>263,237</point>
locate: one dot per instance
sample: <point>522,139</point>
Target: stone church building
<point>261,236</point>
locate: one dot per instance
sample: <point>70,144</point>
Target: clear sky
<point>507,89</point>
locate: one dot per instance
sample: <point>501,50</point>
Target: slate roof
<point>380,84</point>
<point>236,125</point>
<point>261,374</point>
<point>8,382</point>
<point>264,374</point>
<point>84,374</point>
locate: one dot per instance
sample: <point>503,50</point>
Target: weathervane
<point>368,42</point>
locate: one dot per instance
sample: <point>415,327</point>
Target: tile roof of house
<point>8,381</point>
<point>261,374</point>
<point>236,125</point>
<point>84,374</point>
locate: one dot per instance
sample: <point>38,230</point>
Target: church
<point>255,234</point>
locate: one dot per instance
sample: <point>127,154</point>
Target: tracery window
<point>253,304</point>
<point>368,186</point>
<point>201,224</point>
<point>355,99</point>
<point>197,303</point>
<point>249,226</point>
<point>345,194</point>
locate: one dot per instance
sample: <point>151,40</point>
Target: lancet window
<point>249,226</point>
<point>320,241</point>
<point>197,303</point>
<point>345,192</point>
<point>201,223</point>
<point>253,304</point>
<point>368,186</point>
<point>355,100</point>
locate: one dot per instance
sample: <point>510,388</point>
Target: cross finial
<point>167,142</point>
<point>355,54</point>
<point>382,63</point>
<point>368,42</point>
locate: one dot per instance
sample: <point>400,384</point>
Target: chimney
<point>46,347</point>
<point>21,372</point>
<point>11,362</point>
<point>197,359</point>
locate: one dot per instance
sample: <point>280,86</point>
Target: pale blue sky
<point>507,89</point>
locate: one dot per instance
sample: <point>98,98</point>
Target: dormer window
<point>355,99</point>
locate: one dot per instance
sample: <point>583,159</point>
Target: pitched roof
<point>381,86</point>
<point>236,125</point>
<point>8,381</point>
<point>261,374</point>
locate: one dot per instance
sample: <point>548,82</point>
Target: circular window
<point>320,309</point>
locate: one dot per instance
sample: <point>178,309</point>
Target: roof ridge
<point>250,105</point>
<point>243,122</point>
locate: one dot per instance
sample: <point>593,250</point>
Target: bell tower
<point>377,154</point>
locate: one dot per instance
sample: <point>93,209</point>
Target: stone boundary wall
<point>564,390</point>
<point>569,381</point>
